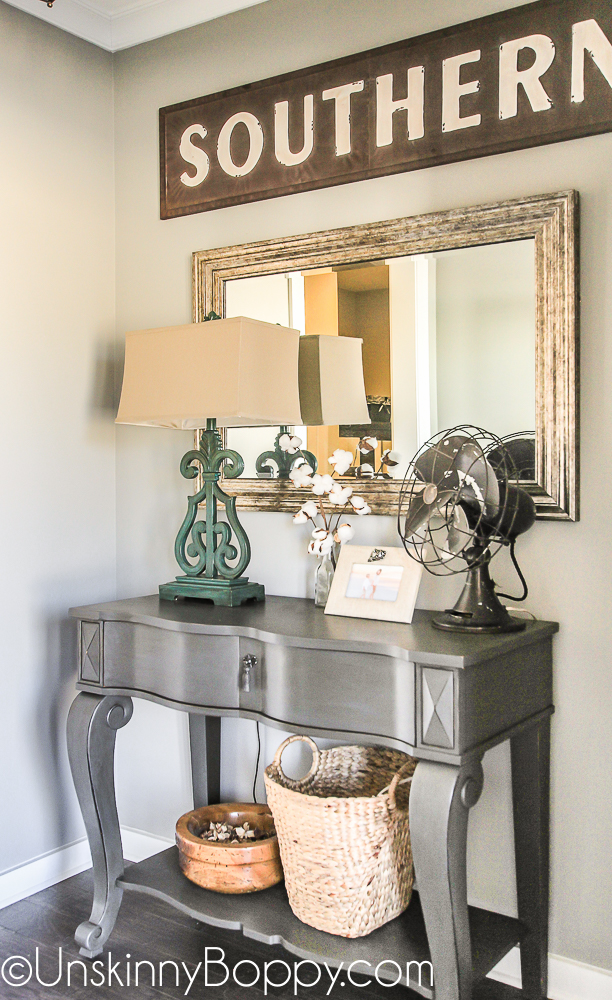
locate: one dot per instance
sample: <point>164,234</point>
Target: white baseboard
<point>55,866</point>
<point>46,870</point>
<point>568,979</point>
<point>138,845</point>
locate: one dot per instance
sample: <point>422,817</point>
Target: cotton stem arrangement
<point>331,499</point>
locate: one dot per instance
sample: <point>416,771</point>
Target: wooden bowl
<point>225,867</point>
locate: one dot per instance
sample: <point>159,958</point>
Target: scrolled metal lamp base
<point>213,554</point>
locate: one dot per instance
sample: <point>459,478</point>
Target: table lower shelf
<point>267,917</point>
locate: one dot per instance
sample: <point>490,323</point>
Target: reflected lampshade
<point>332,389</point>
<point>240,371</point>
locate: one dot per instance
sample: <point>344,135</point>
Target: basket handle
<point>316,757</point>
<point>395,781</point>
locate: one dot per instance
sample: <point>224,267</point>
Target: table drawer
<point>347,691</point>
<point>180,666</point>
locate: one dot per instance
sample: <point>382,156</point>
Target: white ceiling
<point>118,24</point>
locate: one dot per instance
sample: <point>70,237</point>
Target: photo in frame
<point>375,582</point>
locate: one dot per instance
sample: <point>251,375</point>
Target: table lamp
<point>234,372</point>
<point>332,391</point>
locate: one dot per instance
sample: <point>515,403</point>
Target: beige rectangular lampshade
<point>240,371</point>
<point>332,389</point>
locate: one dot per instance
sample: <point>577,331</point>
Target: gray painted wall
<point>57,439</point>
<point>567,565</point>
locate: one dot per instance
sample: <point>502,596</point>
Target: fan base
<point>479,609</point>
<point>449,622</point>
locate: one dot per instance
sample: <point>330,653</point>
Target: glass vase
<point>324,574</point>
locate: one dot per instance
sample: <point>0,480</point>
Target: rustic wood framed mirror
<point>481,325</point>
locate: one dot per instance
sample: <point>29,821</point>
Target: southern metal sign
<point>536,74</point>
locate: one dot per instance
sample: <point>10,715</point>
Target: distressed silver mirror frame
<point>550,220</point>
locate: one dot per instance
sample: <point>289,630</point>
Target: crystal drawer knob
<point>249,662</point>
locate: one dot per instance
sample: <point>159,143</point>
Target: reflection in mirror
<point>448,338</point>
<point>273,298</point>
<point>485,343</point>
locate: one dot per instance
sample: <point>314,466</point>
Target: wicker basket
<point>343,836</point>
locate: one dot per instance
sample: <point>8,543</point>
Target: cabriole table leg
<point>92,725</point>
<point>441,797</point>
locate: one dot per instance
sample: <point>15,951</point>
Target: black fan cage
<point>521,447</point>
<point>457,532</point>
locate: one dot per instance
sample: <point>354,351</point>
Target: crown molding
<point>73,17</point>
<point>133,23</point>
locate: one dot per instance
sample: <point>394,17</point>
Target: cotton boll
<point>344,533</point>
<point>367,445</point>
<point>365,471</point>
<point>310,508</point>
<point>342,460</point>
<point>338,488</point>
<point>339,497</point>
<point>318,486</point>
<point>290,444</point>
<point>327,544</point>
<point>301,476</point>
<point>322,484</point>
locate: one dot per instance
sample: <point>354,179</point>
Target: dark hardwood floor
<point>150,931</point>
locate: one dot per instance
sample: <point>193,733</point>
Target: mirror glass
<point>448,338</point>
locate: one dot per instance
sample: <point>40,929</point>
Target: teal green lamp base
<point>226,593</point>
<point>212,553</point>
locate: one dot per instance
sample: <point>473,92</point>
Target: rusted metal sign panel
<point>536,74</point>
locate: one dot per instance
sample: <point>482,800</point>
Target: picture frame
<point>377,582</point>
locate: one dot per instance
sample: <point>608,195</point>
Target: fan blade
<point>456,525</point>
<point>459,532</point>
<point>434,464</point>
<point>478,480</point>
<point>420,511</point>
<point>418,514</point>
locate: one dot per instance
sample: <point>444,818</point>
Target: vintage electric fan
<point>459,503</point>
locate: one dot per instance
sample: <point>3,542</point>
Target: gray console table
<point>444,698</point>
